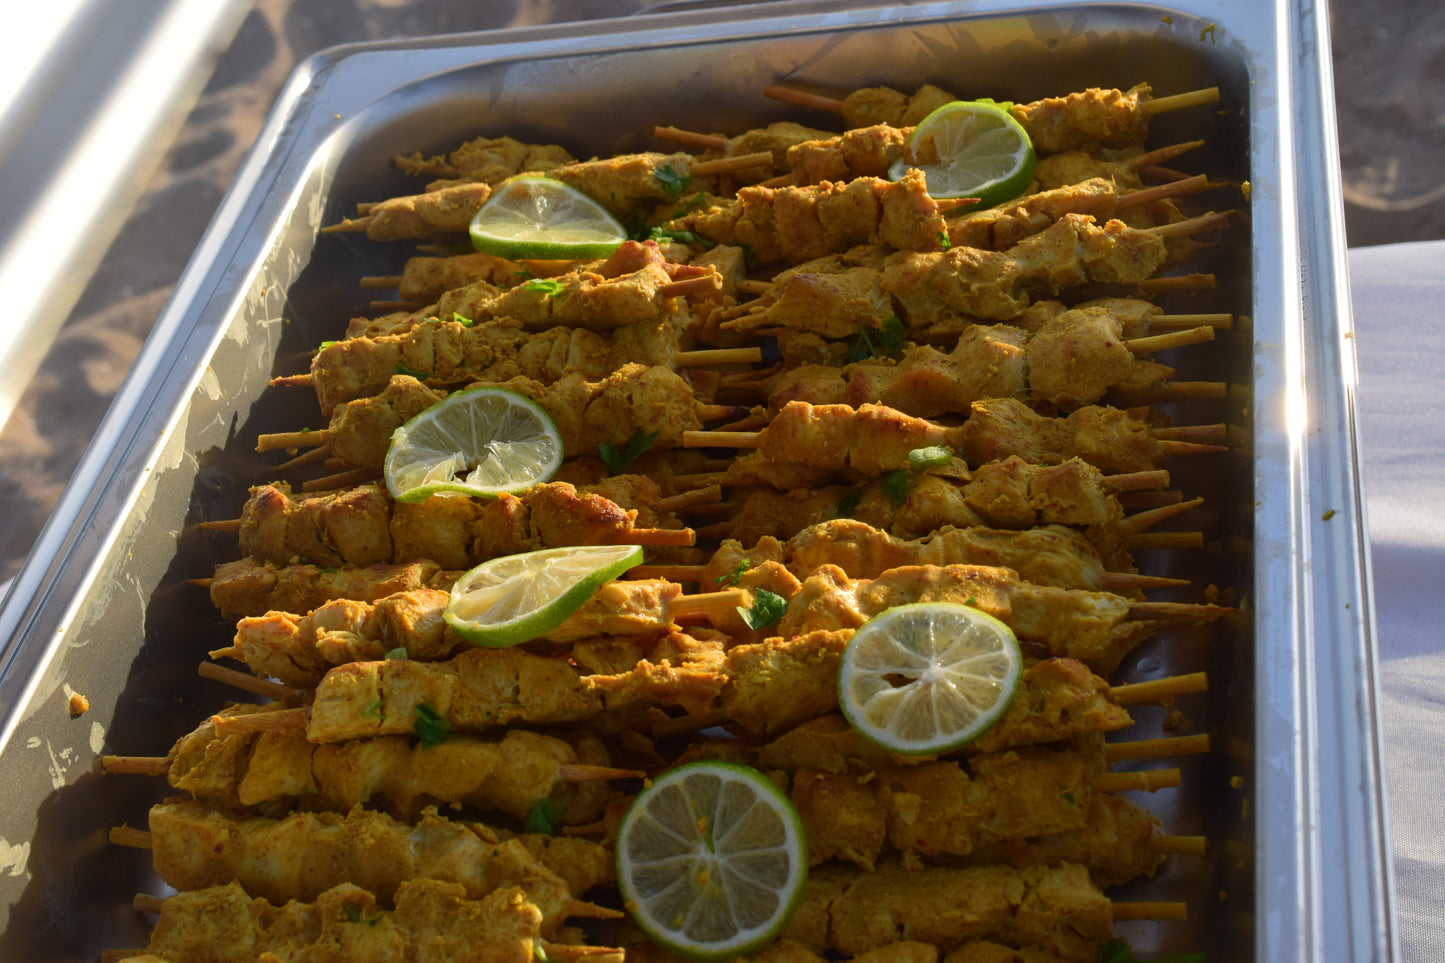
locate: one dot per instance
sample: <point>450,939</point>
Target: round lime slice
<point>479,441</point>
<point>711,859</point>
<point>532,216</point>
<point>928,677</point>
<point>970,148</point>
<point>516,598</point>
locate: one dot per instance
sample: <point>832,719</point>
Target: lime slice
<point>711,859</point>
<point>970,149</point>
<point>480,441</point>
<point>928,677</point>
<point>533,216</point>
<point>515,598</point>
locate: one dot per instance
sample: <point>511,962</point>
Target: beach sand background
<point>1389,63</point>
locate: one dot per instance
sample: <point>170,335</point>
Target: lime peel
<point>711,859</point>
<point>479,441</point>
<point>970,148</point>
<point>928,677</point>
<point>532,216</point>
<point>516,598</point>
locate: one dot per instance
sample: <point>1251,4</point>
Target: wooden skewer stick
<point>1169,447</point>
<point>718,412</point>
<point>1159,691</point>
<point>135,765</point>
<point>1155,172</point>
<point>738,162</point>
<point>1219,322</point>
<point>306,458</point>
<point>1171,611</point>
<point>1171,339</point>
<point>803,99</point>
<point>305,438</point>
<point>1211,434</point>
<point>1154,748</point>
<point>710,356</point>
<point>304,380</point>
<point>691,138</point>
<point>389,306</point>
<point>241,680</point>
<point>1192,98</point>
<point>688,499</point>
<point>1179,845</point>
<point>1158,912</point>
<point>790,179</point>
<point>1213,221</point>
<point>227,525</point>
<point>1143,500</point>
<point>1127,581</point>
<point>134,838</point>
<point>710,603</point>
<point>1153,157</point>
<point>348,225</point>
<point>282,720</point>
<point>147,903</point>
<point>697,284</point>
<point>1191,389</point>
<point>1186,282</point>
<point>345,479</point>
<point>751,286</point>
<point>1141,521</point>
<point>384,282</point>
<point>1148,195</point>
<point>1145,780</point>
<point>1137,480</point>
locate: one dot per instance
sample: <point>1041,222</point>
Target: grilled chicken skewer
<point>364,526</point>
<point>1088,119</point>
<point>633,398</point>
<point>512,773</point>
<point>430,920</point>
<point>302,855</point>
<point>871,440</point>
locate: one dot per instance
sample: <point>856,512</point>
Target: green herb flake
<point>848,503</point>
<point>543,816</point>
<point>878,342</point>
<point>463,321</point>
<point>325,345</point>
<point>430,727</point>
<point>731,578</point>
<point>894,486</point>
<point>373,711</point>
<point>673,183</point>
<point>944,241</point>
<point>767,609</point>
<point>662,235</point>
<point>352,913</point>
<point>935,456</point>
<point>397,653</point>
<point>547,286</point>
<point>402,369</point>
<point>617,460</point>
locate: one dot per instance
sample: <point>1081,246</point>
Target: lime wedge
<point>928,677</point>
<point>711,859</point>
<point>533,216</point>
<point>970,149</point>
<point>516,598</point>
<point>480,441</point>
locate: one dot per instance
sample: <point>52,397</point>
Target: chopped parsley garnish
<point>731,578</point>
<point>767,609</point>
<point>882,342</point>
<point>463,321</point>
<point>325,345</point>
<point>543,816</point>
<point>944,241</point>
<point>373,711</point>
<point>847,503</point>
<point>397,653</point>
<point>894,486</point>
<point>673,183</point>
<point>353,913</point>
<point>617,460</point>
<point>545,286</point>
<point>663,235</point>
<point>402,369</point>
<point>430,727</point>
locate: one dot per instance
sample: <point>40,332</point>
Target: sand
<point>1389,60</point>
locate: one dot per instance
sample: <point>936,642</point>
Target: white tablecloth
<point>1399,304</point>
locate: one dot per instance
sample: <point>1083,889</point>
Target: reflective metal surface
<point>1290,798</point>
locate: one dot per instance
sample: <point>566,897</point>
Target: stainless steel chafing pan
<point>1291,798</point>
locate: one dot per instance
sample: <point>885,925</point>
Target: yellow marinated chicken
<point>486,159</point>
<point>250,587</point>
<point>298,649</point>
<point>431,922</point>
<point>302,855</point>
<point>364,526</point>
<point>444,211</point>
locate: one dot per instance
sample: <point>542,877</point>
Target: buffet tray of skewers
<point>762,483</point>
